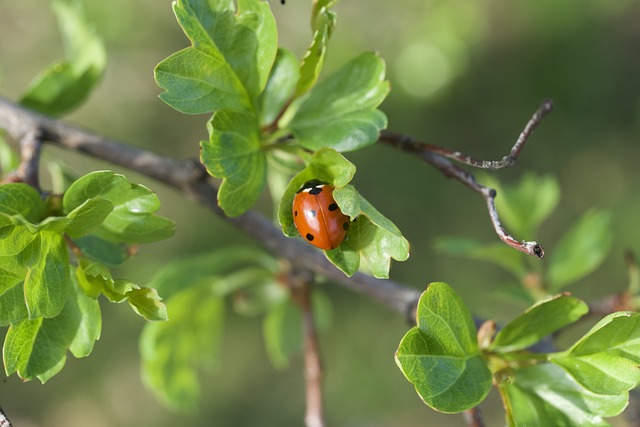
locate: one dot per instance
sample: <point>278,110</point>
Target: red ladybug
<point>317,216</point>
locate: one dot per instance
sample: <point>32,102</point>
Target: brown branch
<point>436,156</point>
<point>473,417</point>
<point>189,177</point>
<point>301,283</point>
<point>30,147</point>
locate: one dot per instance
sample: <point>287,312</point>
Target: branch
<point>437,156</point>
<point>300,283</point>
<point>189,177</point>
<point>473,417</point>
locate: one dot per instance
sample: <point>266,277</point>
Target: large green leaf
<point>340,112</point>
<point>66,83</point>
<point>538,321</point>
<point>440,355</point>
<point>133,218</point>
<point>38,347</point>
<point>279,90</point>
<point>371,234</point>
<point>323,23</point>
<point>47,280</point>
<point>544,395</point>
<point>229,61</point>
<point>234,153</point>
<point>606,359</point>
<point>87,217</point>
<point>174,352</point>
<point>581,250</point>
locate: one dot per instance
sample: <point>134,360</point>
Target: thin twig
<point>4,421</point>
<point>301,283</point>
<point>30,147</point>
<point>435,156</point>
<point>473,417</point>
<point>189,177</point>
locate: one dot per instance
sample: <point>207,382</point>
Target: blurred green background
<point>465,74</point>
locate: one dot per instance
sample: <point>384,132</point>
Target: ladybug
<point>317,216</point>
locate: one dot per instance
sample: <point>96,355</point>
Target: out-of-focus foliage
<point>505,58</point>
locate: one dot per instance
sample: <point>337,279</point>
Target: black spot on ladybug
<point>295,213</point>
<point>315,190</point>
<point>333,206</point>
<point>345,226</point>
<point>311,213</point>
<point>309,237</point>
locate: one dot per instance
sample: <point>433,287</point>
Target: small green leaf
<point>282,332</point>
<point>581,250</point>
<point>9,159</point>
<point>95,279</point>
<point>174,352</point>
<point>66,83</point>
<point>23,200</point>
<point>230,58</point>
<point>234,153</point>
<point>103,251</point>
<point>371,234</point>
<point>209,268</point>
<point>341,111</point>
<point>47,281</point>
<point>323,23</point>
<point>498,253</point>
<point>132,219</point>
<point>605,360</point>
<point>279,90</point>
<point>523,207</point>
<point>147,303</point>
<point>538,321</point>
<point>87,217</point>
<point>440,355</point>
<point>544,395</point>
<point>38,347</point>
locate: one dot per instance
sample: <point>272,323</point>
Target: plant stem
<point>473,417</point>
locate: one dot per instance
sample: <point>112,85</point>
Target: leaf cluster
<point>54,257</point>
<point>273,119</point>
<point>579,386</point>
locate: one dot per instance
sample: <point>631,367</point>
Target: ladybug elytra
<point>317,216</point>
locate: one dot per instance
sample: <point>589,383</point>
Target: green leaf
<point>341,111</point>
<point>147,303</point>
<point>326,165</point>
<point>47,281</point>
<point>538,321</point>
<point>371,234</point>
<point>230,58</point>
<point>9,159</point>
<point>544,395</point>
<point>211,268</point>
<point>282,332</point>
<point>12,306</point>
<point>66,83</point>
<point>174,352</point>
<point>605,360</point>
<point>581,250</point>
<point>497,253</point>
<point>8,279</point>
<point>22,200</point>
<point>103,251</point>
<point>132,219</point>
<point>234,153</point>
<point>279,90</point>
<point>440,355</point>
<point>523,207</point>
<point>38,347</point>
<point>323,23</point>
<point>95,279</point>
<point>87,217</point>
